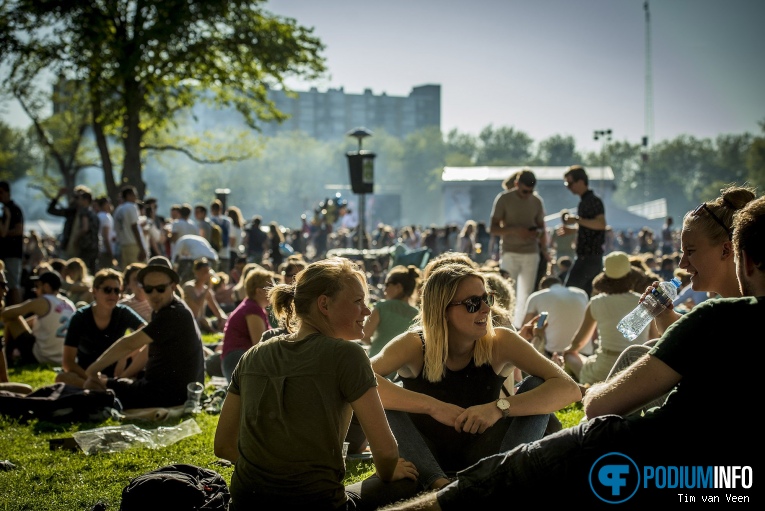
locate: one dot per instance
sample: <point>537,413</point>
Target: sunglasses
<point>110,290</point>
<point>159,289</point>
<point>473,304</point>
<point>703,206</point>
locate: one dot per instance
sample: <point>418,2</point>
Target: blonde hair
<point>77,264</point>
<point>724,207</point>
<point>294,303</point>
<point>258,277</point>
<point>437,293</point>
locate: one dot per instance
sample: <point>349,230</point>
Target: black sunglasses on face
<point>703,206</point>
<point>110,290</point>
<point>473,304</point>
<point>159,289</point>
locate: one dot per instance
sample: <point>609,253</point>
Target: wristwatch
<point>504,406</point>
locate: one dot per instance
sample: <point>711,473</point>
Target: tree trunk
<point>103,150</point>
<point>132,139</point>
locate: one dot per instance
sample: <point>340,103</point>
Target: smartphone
<point>542,319</point>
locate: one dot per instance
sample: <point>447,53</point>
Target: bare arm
<point>69,362</point>
<point>584,334</point>
<point>118,350</point>
<point>255,327</point>
<point>370,326</point>
<point>135,229</point>
<point>215,307</point>
<point>37,306</point>
<point>389,466</point>
<point>226,440</point>
<point>640,383</point>
<point>557,391</point>
<point>404,355</point>
<point>596,224</point>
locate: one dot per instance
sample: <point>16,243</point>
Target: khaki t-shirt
<point>294,418</point>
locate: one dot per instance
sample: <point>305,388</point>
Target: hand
<point>405,470</point>
<point>97,382</point>
<point>478,419</point>
<point>527,330</point>
<point>447,413</point>
<point>557,358</point>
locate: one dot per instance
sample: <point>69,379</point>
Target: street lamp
<point>605,135</point>
<point>361,166</point>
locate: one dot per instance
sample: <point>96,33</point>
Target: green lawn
<point>65,480</point>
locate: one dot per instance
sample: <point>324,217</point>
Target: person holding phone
<point>448,414</point>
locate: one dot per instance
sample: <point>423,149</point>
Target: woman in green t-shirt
<point>290,402</point>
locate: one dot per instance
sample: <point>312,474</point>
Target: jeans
<point>428,456</point>
<point>523,270</point>
<point>542,471</point>
<point>229,362</point>
<point>584,269</point>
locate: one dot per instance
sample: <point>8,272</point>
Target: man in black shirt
<point>176,357</point>
<point>11,241</point>
<point>591,230</point>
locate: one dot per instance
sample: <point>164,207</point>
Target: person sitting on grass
<point>39,339</point>
<point>290,401</point>
<point>613,445</point>
<point>175,356</point>
<point>200,297</point>
<point>19,388</point>
<point>95,327</point>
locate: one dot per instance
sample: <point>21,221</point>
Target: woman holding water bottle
<point>290,402</point>
<point>707,255</point>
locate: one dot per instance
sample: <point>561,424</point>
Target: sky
<point>548,67</point>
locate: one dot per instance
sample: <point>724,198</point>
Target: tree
<point>141,63</point>
<point>755,161</point>
<point>503,146</point>
<point>18,154</point>
<point>558,151</point>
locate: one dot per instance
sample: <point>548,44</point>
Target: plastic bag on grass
<point>119,438</point>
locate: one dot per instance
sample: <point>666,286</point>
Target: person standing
<point>590,231</point>
<point>106,238</point>
<point>224,222</point>
<point>12,244</point>
<point>69,214</point>
<point>129,235</point>
<point>518,216</point>
<point>85,238</point>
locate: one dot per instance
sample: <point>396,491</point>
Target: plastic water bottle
<point>654,304</point>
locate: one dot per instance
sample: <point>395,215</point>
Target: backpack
<point>216,236</point>
<point>59,402</point>
<point>179,487</point>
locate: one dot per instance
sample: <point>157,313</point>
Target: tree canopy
<point>142,63</point>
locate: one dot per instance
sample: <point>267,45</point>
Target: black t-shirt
<point>176,357</point>
<point>90,341</point>
<point>590,241</point>
<point>12,247</point>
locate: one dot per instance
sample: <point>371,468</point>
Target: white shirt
<point>193,247</point>
<point>105,220</point>
<point>566,306</point>
<point>125,216</point>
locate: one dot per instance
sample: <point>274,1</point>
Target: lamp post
<point>604,135</point>
<point>361,165</point>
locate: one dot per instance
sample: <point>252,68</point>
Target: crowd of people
<point>444,373</point>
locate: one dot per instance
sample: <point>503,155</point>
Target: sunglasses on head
<point>161,288</point>
<point>703,206</point>
<point>110,290</point>
<point>473,304</point>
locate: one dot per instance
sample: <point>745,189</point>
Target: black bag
<point>59,403</point>
<point>179,487</point>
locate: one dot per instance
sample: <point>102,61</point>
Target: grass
<point>61,479</point>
